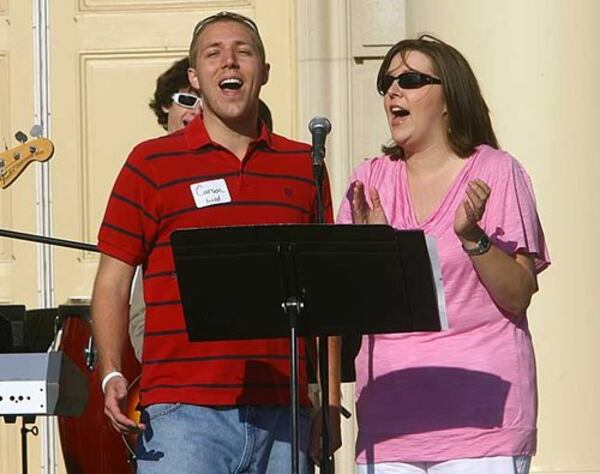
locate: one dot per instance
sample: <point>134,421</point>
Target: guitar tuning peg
<point>36,131</point>
<point>21,137</point>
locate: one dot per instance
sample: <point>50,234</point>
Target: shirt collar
<point>197,137</point>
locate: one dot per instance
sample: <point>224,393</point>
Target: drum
<point>89,443</point>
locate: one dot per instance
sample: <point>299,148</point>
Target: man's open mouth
<point>233,84</point>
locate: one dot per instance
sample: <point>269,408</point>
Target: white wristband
<point>108,377</point>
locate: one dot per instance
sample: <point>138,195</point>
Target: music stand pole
<point>292,307</point>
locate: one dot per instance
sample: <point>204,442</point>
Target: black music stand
<point>276,281</point>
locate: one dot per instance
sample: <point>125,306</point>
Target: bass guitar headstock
<point>14,161</point>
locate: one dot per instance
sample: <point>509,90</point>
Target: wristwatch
<point>483,245</point>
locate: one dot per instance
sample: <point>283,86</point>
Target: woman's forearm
<point>509,279</point>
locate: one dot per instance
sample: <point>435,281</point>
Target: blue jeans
<point>186,439</point>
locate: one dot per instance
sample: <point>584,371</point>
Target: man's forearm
<point>110,310</point>
<point>110,330</point>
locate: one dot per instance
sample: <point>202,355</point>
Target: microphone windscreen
<point>319,124</point>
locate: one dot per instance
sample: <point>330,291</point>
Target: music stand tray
<point>275,281</point>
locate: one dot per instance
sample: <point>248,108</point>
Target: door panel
<point>105,56</point>
<point>18,270</point>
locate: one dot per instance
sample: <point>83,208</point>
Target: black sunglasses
<point>189,101</point>
<point>406,80</point>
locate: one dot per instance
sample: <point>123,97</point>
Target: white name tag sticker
<point>210,193</point>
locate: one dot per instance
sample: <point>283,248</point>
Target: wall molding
<point>112,6</point>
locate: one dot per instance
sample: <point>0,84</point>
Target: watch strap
<point>483,245</point>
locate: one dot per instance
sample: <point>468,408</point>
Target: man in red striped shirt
<point>213,406</point>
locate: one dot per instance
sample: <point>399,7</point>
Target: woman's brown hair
<point>469,123</point>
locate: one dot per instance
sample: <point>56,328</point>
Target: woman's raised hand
<point>471,210</point>
<point>362,213</point>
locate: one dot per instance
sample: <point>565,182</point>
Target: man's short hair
<point>168,83</point>
<point>232,17</point>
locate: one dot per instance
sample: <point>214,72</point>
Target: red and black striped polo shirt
<point>151,198</point>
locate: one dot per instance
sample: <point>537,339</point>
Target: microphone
<point>319,127</point>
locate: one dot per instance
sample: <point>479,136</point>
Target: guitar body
<point>14,161</point>
<point>133,413</point>
<point>89,442</point>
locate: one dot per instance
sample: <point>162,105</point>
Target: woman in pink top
<point>461,400</point>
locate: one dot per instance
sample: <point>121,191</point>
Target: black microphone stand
<point>327,463</point>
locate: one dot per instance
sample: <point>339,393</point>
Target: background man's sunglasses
<point>189,101</point>
<point>406,80</point>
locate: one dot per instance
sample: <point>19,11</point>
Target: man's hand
<point>115,406</point>
<point>335,435</point>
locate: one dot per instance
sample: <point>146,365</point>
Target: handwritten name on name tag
<point>210,193</point>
